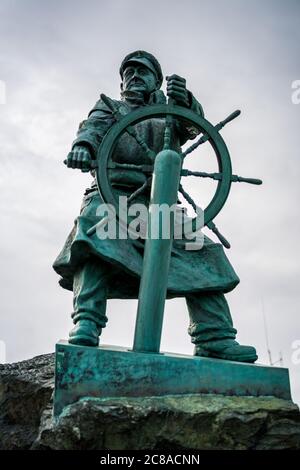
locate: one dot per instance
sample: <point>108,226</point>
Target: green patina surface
<point>133,148</point>
<point>112,372</point>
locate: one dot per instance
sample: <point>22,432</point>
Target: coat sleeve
<point>92,130</point>
<point>185,129</point>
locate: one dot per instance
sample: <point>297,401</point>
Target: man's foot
<point>85,333</point>
<point>228,349</point>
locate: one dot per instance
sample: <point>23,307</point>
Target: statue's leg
<point>90,293</point>
<point>212,331</point>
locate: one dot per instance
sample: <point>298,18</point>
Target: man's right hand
<point>79,158</point>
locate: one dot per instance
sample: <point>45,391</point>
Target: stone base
<point>109,371</point>
<point>173,422</point>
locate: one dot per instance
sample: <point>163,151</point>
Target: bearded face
<point>138,78</point>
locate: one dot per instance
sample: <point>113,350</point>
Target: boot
<point>85,333</point>
<point>227,349</point>
<point>212,331</point>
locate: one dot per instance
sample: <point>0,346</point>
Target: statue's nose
<point>136,74</point>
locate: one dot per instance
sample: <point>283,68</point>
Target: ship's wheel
<point>207,132</point>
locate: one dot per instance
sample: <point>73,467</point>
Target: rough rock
<point>25,391</point>
<point>174,422</point>
<point>170,423</point>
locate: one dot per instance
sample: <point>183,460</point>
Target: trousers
<point>209,314</point>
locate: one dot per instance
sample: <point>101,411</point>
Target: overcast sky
<point>56,57</point>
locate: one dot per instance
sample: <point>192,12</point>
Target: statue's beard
<point>138,98</point>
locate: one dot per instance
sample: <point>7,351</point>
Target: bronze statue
<point>97,269</point>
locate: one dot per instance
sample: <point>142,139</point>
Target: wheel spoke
<point>219,176</point>
<point>202,174</point>
<point>130,166</point>
<point>188,198</point>
<point>206,137</point>
<point>212,226</point>
<point>139,190</point>
<point>150,153</point>
<point>193,147</point>
<point>168,133</point>
<point>241,179</point>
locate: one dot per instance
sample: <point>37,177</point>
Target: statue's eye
<point>128,73</point>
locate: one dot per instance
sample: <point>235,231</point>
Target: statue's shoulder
<point>101,109</point>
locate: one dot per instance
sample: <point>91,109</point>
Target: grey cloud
<point>56,57</point>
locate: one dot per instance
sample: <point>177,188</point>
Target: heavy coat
<point>205,270</point>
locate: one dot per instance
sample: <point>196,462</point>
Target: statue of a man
<point>97,269</point>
